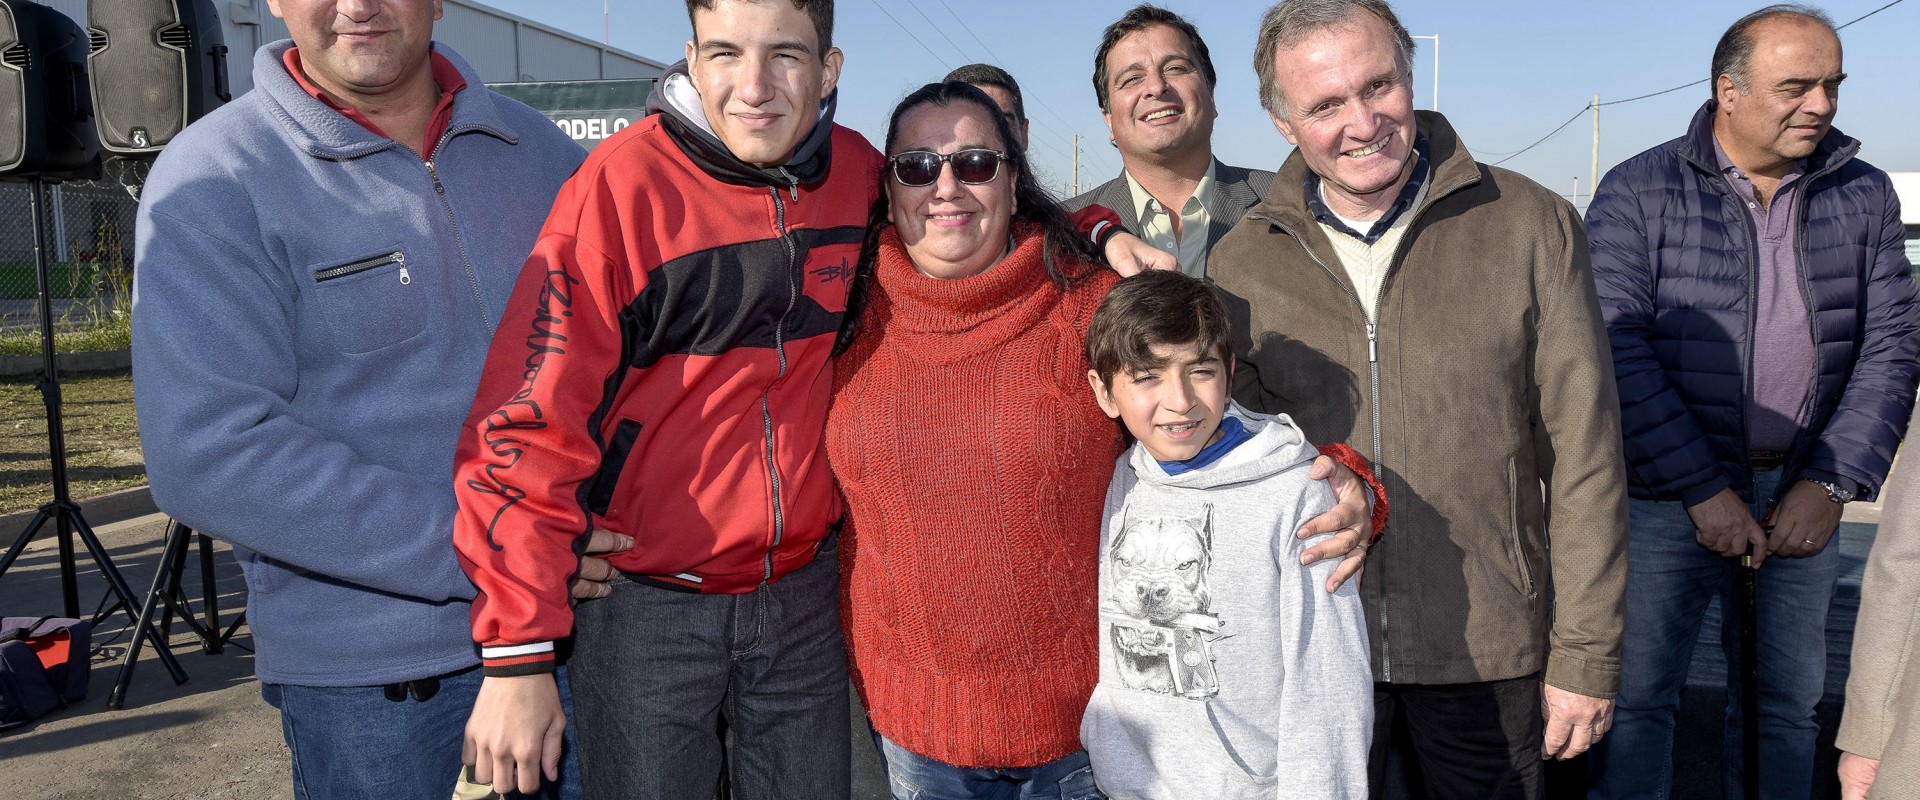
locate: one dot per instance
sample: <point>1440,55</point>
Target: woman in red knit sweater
<point>974,462</point>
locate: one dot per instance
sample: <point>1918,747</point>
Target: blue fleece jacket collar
<point>324,133</point>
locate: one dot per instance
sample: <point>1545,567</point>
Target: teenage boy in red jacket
<point>662,371</point>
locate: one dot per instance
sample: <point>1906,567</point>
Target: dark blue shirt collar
<point>1326,217</point>
<point>1232,435</point>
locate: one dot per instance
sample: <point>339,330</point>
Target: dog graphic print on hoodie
<point>1226,668</point>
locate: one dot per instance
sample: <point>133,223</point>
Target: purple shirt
<point>1782,339</point>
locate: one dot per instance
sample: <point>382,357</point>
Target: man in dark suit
<point>1155,82</point>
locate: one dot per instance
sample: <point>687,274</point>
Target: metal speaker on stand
<point>46,136</point>
<point>156,66</point>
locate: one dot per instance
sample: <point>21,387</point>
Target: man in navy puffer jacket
<point>1761,312</point>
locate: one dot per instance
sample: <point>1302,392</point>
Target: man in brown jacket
<point>1439,316</point>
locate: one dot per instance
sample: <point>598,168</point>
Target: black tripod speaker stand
<point>167,592</point>
<point>63,512</point>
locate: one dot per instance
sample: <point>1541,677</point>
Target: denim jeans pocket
<point>1078,785</point>
<point>899,789</point>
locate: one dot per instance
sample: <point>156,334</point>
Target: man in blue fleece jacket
<point>320,266</point>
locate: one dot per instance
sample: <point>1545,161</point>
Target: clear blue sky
<point>1510,70</point>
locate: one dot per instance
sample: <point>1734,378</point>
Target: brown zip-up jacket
<point>1484,396</point>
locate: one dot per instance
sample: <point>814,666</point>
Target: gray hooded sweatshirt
<point>1226,669</point>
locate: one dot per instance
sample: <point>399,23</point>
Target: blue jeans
<point>656,672</point>
<point>353,742</point>
<point>911,776</point>
<point>1670,579</point>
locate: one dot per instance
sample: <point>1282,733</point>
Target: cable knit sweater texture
<point>974,462</point>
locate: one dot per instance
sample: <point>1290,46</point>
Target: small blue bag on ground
<point>44,666</point>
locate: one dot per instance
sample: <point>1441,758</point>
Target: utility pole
<point>1596,141</point>
<point>1076,166</point>
<point>1436,67</point>
<point>1436,72</point>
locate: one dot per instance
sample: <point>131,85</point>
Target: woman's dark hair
<point>1032,203</point>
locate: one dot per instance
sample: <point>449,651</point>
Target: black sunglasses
<point>921,167</point>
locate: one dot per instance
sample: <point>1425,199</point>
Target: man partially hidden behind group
<point>1003,89</point>
<point>1439,316</point>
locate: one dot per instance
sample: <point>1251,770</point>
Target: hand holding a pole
<point>1804,521</point>
<point>1724,526</point>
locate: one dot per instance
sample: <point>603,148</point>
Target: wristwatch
<point>1836,492</point>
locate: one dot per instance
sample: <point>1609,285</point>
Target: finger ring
<point>1808,541</point>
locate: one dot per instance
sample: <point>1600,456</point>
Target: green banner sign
<point>588,111</point>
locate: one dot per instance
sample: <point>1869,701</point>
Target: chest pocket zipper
<point>357,267</point>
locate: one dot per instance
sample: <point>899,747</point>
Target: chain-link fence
<point>89,258</point>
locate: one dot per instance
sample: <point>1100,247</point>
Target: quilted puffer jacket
<point>1674,258</point>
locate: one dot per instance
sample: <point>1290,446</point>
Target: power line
<point>969,29</point>
<point>1658,93</point>
<point>1704,80</point>
<point>923,45</point>
<point>963,54</point>
<point>1870,13</point>
<point>1591,105</point>
<point>909,33</point>
<point>1106,165</point>
<point>1563,126</point>
<point>937,29</point>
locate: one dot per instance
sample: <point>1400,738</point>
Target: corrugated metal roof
<point>527,23</point>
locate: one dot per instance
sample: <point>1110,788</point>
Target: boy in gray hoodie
<point>1226,671</point>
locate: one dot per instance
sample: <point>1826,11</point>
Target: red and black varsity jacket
<point>662,371</point>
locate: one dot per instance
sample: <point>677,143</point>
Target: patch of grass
<point>103,442</point>
<point>112,331</point>
<point>103,323</point>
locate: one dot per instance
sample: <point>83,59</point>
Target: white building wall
<point>496,61</point>
<point>547,56</point>
<point>1907,186</point>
